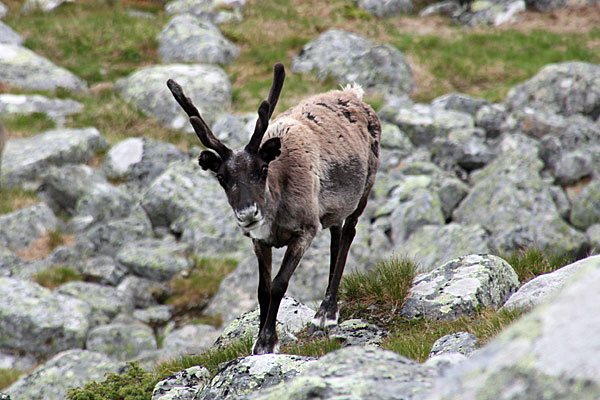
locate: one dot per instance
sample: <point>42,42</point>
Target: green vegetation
<point>532,262</point>
<point>56,276</point>
<point>27,125</point>
<point>135,384</point>
<point>13,199</point>
<point>8,377</point>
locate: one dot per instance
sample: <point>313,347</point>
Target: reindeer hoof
<point>321,325</point>
<point>261,348</point>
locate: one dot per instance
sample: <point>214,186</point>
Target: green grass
<point>532,262</point>
<point>8,377</point>
<point>56,276</point>
<point>14,198</point>
<point>27,125</point>
<point>135,384</point>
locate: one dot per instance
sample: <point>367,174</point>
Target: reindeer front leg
<point>267,341</point>
<point>263,255</point>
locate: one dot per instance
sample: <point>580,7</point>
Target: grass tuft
<point>14,198</point>
<point>8,376</point>
<point>532,262</point>
<point>310,347</point>
<point>56,276</point>
<point>20,125</point>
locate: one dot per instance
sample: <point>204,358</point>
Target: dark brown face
<point>243,176</point>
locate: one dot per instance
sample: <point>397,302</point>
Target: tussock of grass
<point>532,262</point>
<point>135,384</point>
<point>311,347</point>
<point>19,125</point>
<point>54,277</point>
<point>8,377</point>
<point>13,199</point>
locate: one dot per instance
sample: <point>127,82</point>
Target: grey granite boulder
<point>142,292</point>
<point>491,12</point>
<point>242,376</point>
<point>548,353</point>
<point>593,233</point>
<point>356,372</point>
<point>586,206</point>
<point>433,245</point>
<point>181,386</point>
<point>102,270</point>
<point>12,104</point>
<point>69,369</point>
<point>544,286</point>
<point>138,161</point>
<point>356,332</point>
<point>63,186</point>
<point>154,316</point>
<point>548,6</point>
<point>461,342</point>
<point>188,39</point>
<point>565,88</point>
<point>19,229</point>
<point>43,5</point>
<point>459,102</point>
<point>349,58</point>
<point>447,8</point>
<point>190,339</point>
<point>381,8</point>
<point>491,118</point>
<point>121,341</point>
<point>393,137</point>
<point>234,130</point>
<point>23,68</point>
<point>206,85</point>
<point>3,10</point>
<point>464,149</point>
<point>103,202</point>
<point>9,36</point>
<point>36,320</point>
<point>215,11</point>
<point>461,287</point>
<point>423,207</point>
<point>25,160</point>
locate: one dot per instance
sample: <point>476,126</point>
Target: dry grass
<point>45,244</point>
<point>13,199</point>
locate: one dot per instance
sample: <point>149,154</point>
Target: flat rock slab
<point>9,36</point>
<point>154,259</point>
<point>67,370</point>
<point>461,287</point>
<point>25,160</point>
<point>181,386</point>
<point>36,320</point>
<point>12,104</point>
<point>348,58</point>
<point>23,68</point>
<point>460,342</point>
<point>206,85</point>
<point>356,332</point>
<point>548,352</point>
<point>19,229</point>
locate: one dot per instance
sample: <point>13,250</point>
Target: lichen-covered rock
<point>593,233</point>
<point>565,88</point>
<point>215,11</point>
<point>36,320</point>
<point>104,301</point>
<point>11,104</point>
<point>491,12</point>
<point>356,332</point>
<point>586,206</point>
<point>422,208</point>
<point>103,202</point>
<point>349,58</point>
<point>463,148</point>
<point>183,385</point>
<point>25,160</point>
<point>102,270</point>
<point>548,6</point>
<point>190,339</point>
<point>356,372</point>
<point>43,5</point>
<point>154,259</point>
<point>461,287</point>
<point>548,352</point>
<point>292,317</point>
<point>9,36</point>
<point>69,369</point>
<point>11,359</point>
<point>243,376</point>
<point>9,261</point>
<point>433,245</point>
<point>139,160</point>
<point>121,341</point>
<point>63,186</point>
<point>3,10</point>
<point>233,130</point>
<point>393,137</point>
<point>544,286</point>
<point>143,292</point>
<point>188,39</point>
<point>206,85</point>
<point>19,229</point>
<point>462,342</point>
<point>108,238</point>
<point>153,316</point>
<point>491,118</point>
<point>459,102</point>
<point>388,7</point>
<point>23,68</point>
<point>446,8</point>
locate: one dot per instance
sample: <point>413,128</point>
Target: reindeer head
<point>243,173</point>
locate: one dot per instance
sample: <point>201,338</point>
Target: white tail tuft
<point>355,89</point>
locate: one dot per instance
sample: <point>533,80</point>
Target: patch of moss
<point>56,276</point>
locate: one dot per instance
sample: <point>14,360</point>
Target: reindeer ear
<point>270,149</point>
<point>209,160</point>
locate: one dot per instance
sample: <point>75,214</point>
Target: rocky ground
<point>460,178</point>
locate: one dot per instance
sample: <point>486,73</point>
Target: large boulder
<point>206,85</point>
<point>9,36</point>
<point>121,341</point>
<point>158,260</point>
<point>19,229</point>
<point>190,339</point>
<point>586,206</point>
<point>34,103</point>
<point>215,11</point>
<point>23,68</point>
<point>25,160</point>
<point>188,39</point>
<point>181,386</point>
<point>36,320</point>
<point>548,353</point>
<point>348,58</point>
<point>490,12</point>
<point>43,5</point>
<point>461,287</point>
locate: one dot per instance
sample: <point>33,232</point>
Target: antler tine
<point>201,128</point>
<point>278,78</point>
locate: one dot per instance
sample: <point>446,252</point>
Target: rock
<point>235,131</point>
<point>491,12</point>
<point>63,186</point>
<point>23,68</point>
<point>446,8</point>
<point>153,316</point>
<point>3,10</point>
<point>585,211</point>
<point>393,137</point>
<point>565,88</point>
<point>356,332</point>
<point>36,320</point>
<point>19,229</point>
<point>139,160</point>
<point>243,376</point>
<point>13,360</point>
<point>103,202</point>
<point>461,287</point>
<point>547,6</point>
<point>43,5</point>
<point>69,369</point>
<point>102,270</point>
<point>188,39</point>
<point>292,317</point>
<point>458,152</point>
<point>571,167</point>
<point>349,58</point>
<point>190,339</point>
<point>544,286</point>
<point>24,104</point>
<point>143,292</point>
<point>593,233</point>
<point>356,372</point>
<point>384,8</point>
<point>121,341</point>
<point>422,123</point>
<point>491,118</point>
<point>104,301</point>
<point>433,245</point>
<point>158,260</point>
<point>215,11</point>
<point>444,361</point>
<point>464,343</point>
<point>26,159</point>
<point>422,208</point>
<point>548,352</point>
<point>9,262</point>
<point>206,85</point>
<point>107,238</point>
<point>8,36</point>
<point>458,101</point>
<point>183,385</point>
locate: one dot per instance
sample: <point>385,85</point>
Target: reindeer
<point>313,167</point>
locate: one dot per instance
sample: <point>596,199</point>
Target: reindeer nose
<point>248,214</point>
